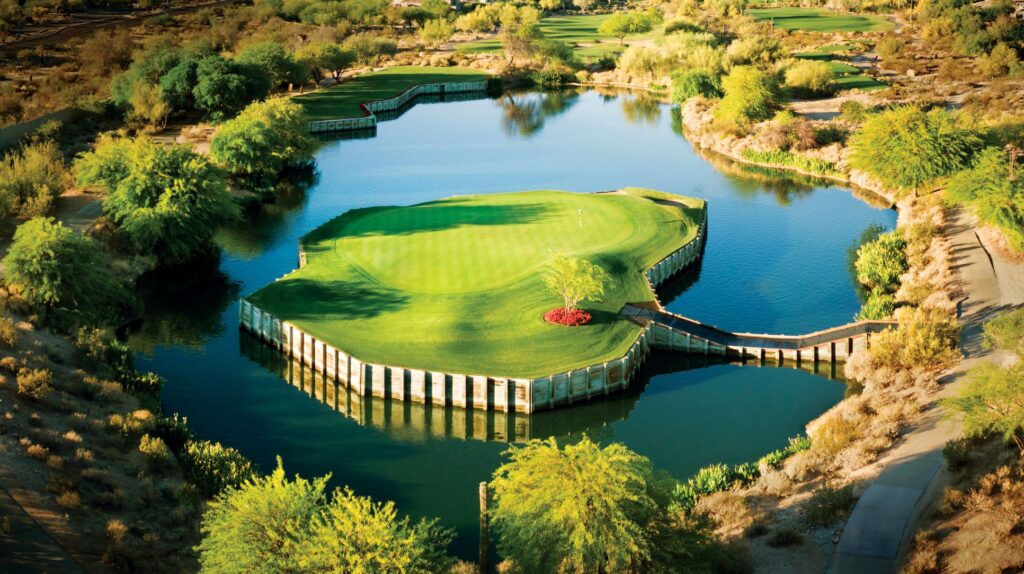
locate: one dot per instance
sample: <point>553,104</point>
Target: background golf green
<point>342,101</point>
<point>456,284</point>
<point>820,20</point>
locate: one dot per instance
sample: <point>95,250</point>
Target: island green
<point>456,285</point>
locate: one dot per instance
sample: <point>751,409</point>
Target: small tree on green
<point>908,147</point>
<point>575,280</point>
<point>272,524</point>
<point>436,32</point>
<point>64,274</point>
<point>581,508</point>
<point>992,401</point>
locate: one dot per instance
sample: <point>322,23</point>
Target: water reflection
<point>263,224</point>
<point>182,306</point>
<point>415,422</point>
<point>525,112</point>
<point>641,109</point>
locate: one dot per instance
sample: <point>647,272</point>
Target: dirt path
<point>882,524</point>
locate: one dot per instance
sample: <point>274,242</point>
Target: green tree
<point>166,200</point>
<point>437,8</point>
<point>1007,332</point>
<point>273,524</point>
<point>811,78</point>
<point>436,32</point>
<point>224,87</point>
<point>995,191</point>
<point>148,105</point>
<point>691,83</point>
<point>148,65</point>
<point>620,25</point>
<point>909,147</point>
<point>575,280</point>
<point>367,48</point>
<point>64,274</point>
<point>992,401</point>
<point>276,62</point>
<point>520,30</point>
<point>551,5</point>
<point>579,509</point>
<point>264,139</point>
<point>751,95</point>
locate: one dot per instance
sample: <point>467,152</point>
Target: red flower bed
<point>567,317</point>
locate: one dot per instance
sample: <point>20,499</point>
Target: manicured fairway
<point>848,77</point>
<point>343,101</point>
<point>820,20</point>
<point>456,284</point>
<point>570,29</point>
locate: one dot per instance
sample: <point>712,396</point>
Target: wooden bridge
<point>678,333</point>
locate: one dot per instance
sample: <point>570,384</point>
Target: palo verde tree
<point>64,274</point>
<point>274,524</point>
<point>620,24</point>
<point>994,188</point>
<point>751,95</point>
<point>166,200</point>
<point>574,280</point>
<point>908,147</point>
<point>263,140</point>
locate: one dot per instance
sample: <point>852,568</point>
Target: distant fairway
<point>820,20</point>
<point>456,284</point>
<point>848,77</point>
<point>574,30</point>
<point>342,101</point>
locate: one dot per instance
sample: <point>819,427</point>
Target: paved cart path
<point>882,524</point>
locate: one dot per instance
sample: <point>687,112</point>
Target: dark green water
<point>776,261</point>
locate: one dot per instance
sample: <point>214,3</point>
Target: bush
<point>835,434</point>
<point>31,177</point>
<point>995,192</point>
<point>785,537</point>
<point>784,158</point>
<point>690,83</point>
<point>828,505</point>
<point>956,453</point>
<point>908,147</point>
<point>263,140</point>
<point>881,263</point>
<point>214,468</point>
<point>35,383</point>
<point>8,332</point>
<point>853,111</point>
<point>878,306</point>
<point>751,95</point>
<point>436,32</point>
<point>811,78</point>
<point>1006,332</point>
<point>174,431</point>
<point>158,456</point>
<point>567,317</point>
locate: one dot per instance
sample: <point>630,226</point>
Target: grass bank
<point>456,284</point>
<point>342,101</point>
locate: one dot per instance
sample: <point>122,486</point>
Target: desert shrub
<point>115,529</point>
<point>877,306</point>
<point>956,453</point>
<point>215,468</point>
<point>37,451</point>
<point>35,383</point>
<point>98,349</point>
<point>8,332</point>
<point>925,339</point>
<point>643,62</point>
<point>1006,332</point>
<point>853,111</point>
<point>828,505</point>
<point>785,537</point>
<point>174,431</point>
<point>9,364</point>
<point>991,400</point>
<point>788,132</point>
<point>690,83</point>
<point>810,78</point>
<point>69,500</point>
<point>881,262</point>
<point>835,434</point>
<point>1001,62</point>
<point>31,177</point>
<point>158,456</point>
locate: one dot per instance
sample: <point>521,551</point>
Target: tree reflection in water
<point>250,235</point>
<point>524,113</point>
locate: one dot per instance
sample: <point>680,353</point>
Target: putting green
<point>343,100</point>
<point>456,284</point>
<point>579,31</point>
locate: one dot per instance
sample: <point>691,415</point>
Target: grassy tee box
<point>820,20</point>
<point>342,101</point>
<point>456,285</point>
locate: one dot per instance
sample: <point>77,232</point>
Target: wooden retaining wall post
<point>484,559</point>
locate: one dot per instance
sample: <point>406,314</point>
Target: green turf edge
<point>344,100</point>
<point>692,208</point>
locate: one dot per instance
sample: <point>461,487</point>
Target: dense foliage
<point>273,524</point>
<point>31,177</point>
<point>908,147</point>
<point>809,78</point>
<point>166,200</point>
<point>995,190</point>
<point>64,274</point>
<point>697,82</point>
<point>751,95</point>
<point>263,140</point>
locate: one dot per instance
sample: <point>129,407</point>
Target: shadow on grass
<point>300,298</point>
<point>443,215</point>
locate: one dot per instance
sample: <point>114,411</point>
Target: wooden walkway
<point>679,333</point>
